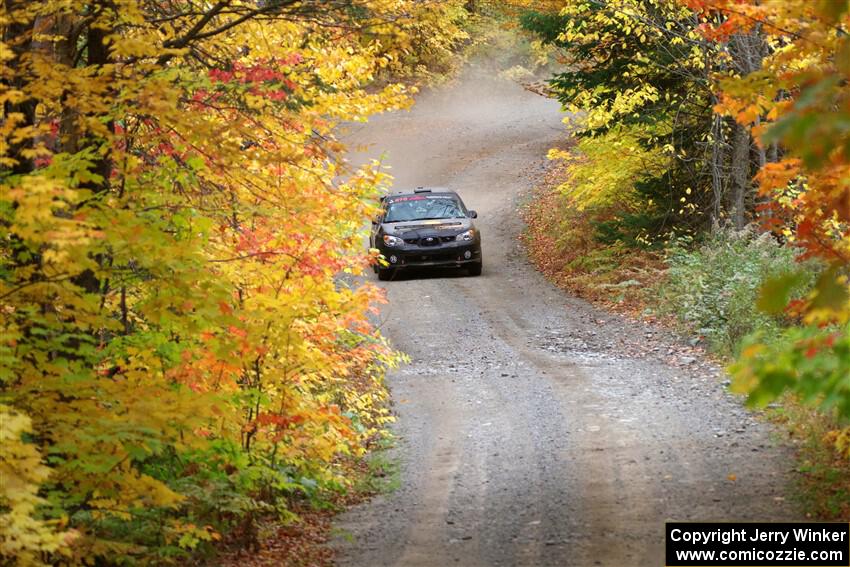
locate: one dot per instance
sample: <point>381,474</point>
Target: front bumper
<point>446,255</point>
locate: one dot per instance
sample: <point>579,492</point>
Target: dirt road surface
<point>535,429</point>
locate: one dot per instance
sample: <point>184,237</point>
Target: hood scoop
<point>440,226</point>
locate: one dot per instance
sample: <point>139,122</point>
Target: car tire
<point>475,269</point>
<point>386,274</point>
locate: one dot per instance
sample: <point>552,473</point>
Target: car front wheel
<point>475,269</point>
<point>386,274</point>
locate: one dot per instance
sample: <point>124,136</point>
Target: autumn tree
<point>638,81</point>
<point>796,104</point>
<point>179,353</point>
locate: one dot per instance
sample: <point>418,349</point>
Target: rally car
<point>426,227</point>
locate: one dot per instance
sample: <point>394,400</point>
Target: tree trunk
<point>740,167</point>
<point>18,36</point>
<point>98,56</point>
<point>773,155</point>
<point>748,51</point>
<point>717,171</point>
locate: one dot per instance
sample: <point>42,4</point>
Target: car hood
<point>437,225</point>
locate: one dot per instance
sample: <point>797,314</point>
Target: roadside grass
<point>707,291</point>
<point>381,476</point>
<point>823,481</point>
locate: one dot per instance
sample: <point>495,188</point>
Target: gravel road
<point>535,429</point>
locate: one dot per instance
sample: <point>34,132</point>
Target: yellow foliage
<point>601,171</point>
<point>24,538</point>
<point>176,214</point>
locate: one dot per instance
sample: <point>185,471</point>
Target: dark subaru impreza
<point>426,227</point>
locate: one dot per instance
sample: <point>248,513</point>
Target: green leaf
<point>830,292</point>
<point>776,292</point>
<point>771,385</point>
<point>196,162</point>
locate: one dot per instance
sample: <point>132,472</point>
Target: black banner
<point>758,544</point>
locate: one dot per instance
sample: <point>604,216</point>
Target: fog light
<point>467,254</point>
<point>393,259</point>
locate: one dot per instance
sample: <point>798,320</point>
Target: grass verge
<point>823,473</point>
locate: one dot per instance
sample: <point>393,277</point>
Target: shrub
<point>561,242</point>
<point>713,288</point>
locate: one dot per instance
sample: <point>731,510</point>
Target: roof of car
<point>421,190</point>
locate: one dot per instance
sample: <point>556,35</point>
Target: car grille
<point>430,240</point>
<point>437,257</point>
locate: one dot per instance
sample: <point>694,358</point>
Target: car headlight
<point>467,236</point>
<point>392,240</point>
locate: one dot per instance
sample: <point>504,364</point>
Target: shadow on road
<point>410,274</point>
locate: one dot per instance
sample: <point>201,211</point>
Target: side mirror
<point>472,214</point>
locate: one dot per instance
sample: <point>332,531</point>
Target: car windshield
<point>420,207</point>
